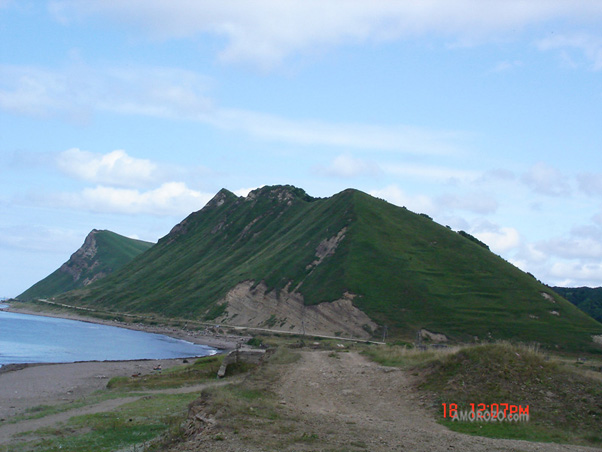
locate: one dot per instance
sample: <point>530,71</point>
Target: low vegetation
<point>563,399</point>
<point>248,413</point>
<point>407,357</point>
<point>202,369</point>
<point>133,424</point>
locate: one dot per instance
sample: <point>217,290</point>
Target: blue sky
<point>128,115</point>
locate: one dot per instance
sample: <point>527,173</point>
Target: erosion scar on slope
<point>285,311</point>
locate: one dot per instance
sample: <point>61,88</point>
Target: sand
<point>25,386</point>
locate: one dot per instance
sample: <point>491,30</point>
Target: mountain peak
<point>281,193</point>
<point>101,253</point>
<point>220,198</point>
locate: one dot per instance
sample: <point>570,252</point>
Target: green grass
<point>406,357</point>
<point>202,369</point>
<point>131,424</point>
<point>113,251</point>
<point>407,271</point>
<point>249,412</point>
<point>134,423</point>
<point>284,356</point>
<point>565,405</point>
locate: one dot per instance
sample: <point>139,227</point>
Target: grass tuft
<point>201,370</point>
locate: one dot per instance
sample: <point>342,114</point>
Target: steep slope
<point>279,258</point>
<point>588,299</point>
<point>102,253</point>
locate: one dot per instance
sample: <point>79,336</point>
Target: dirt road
<point>355,403</point>
<point>338,402</point>
<point>341,402</point>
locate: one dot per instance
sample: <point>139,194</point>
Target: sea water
<point>36,339</point>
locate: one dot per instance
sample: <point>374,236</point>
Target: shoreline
<point>222,342</point>
<point>51,384</point>
<point>28,385</point>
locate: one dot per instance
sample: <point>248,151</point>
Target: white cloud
<point>347,166</point>
<point>590,183</point>
<point>597,218</point>
<point>569,260</point>
<point>430,172</point>
<point>400,138</point>
<point>78,92</point>
<point>546,180</point>
<point>574,248</point>
<point>33,91</point>
<point>533,254</point>
<point>589,45</point>
<point>245,191</point>
<point>571,274</point>
<point>473,202</point>
<point>113,168</point>
<point>497,174</point>
<point>500,239</point>
<point>504,66</point>
<point>415,203</point>
<point>37,238</point>
<point>584,243</point>
<point>172,198</point>
<point>266,31</point>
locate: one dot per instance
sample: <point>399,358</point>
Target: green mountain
<point>350,264</point>
<point>588,299</point>
<point>102,253</point>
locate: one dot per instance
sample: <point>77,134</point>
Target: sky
<point>129,115</point>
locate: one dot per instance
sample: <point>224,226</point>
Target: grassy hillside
<point>102,253</point>
<point>407,271</point>
<point>422,275</point>
<point>588,299</point>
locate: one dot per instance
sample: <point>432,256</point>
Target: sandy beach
<point>49,384</point>
<point>30,385</point>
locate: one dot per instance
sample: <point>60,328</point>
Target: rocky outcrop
<point>327,248</point>
<point>83,259</point>
<point>183,227</point>
<point>253,305</point>
<point>432,337</point>
<point>241,355</point>
<point>102,253</point>
<point>285,194</point>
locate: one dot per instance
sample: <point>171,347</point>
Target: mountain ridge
<point>102,253</point>
<point>407,273</point>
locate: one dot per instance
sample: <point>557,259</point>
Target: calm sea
<point>36,339</point>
